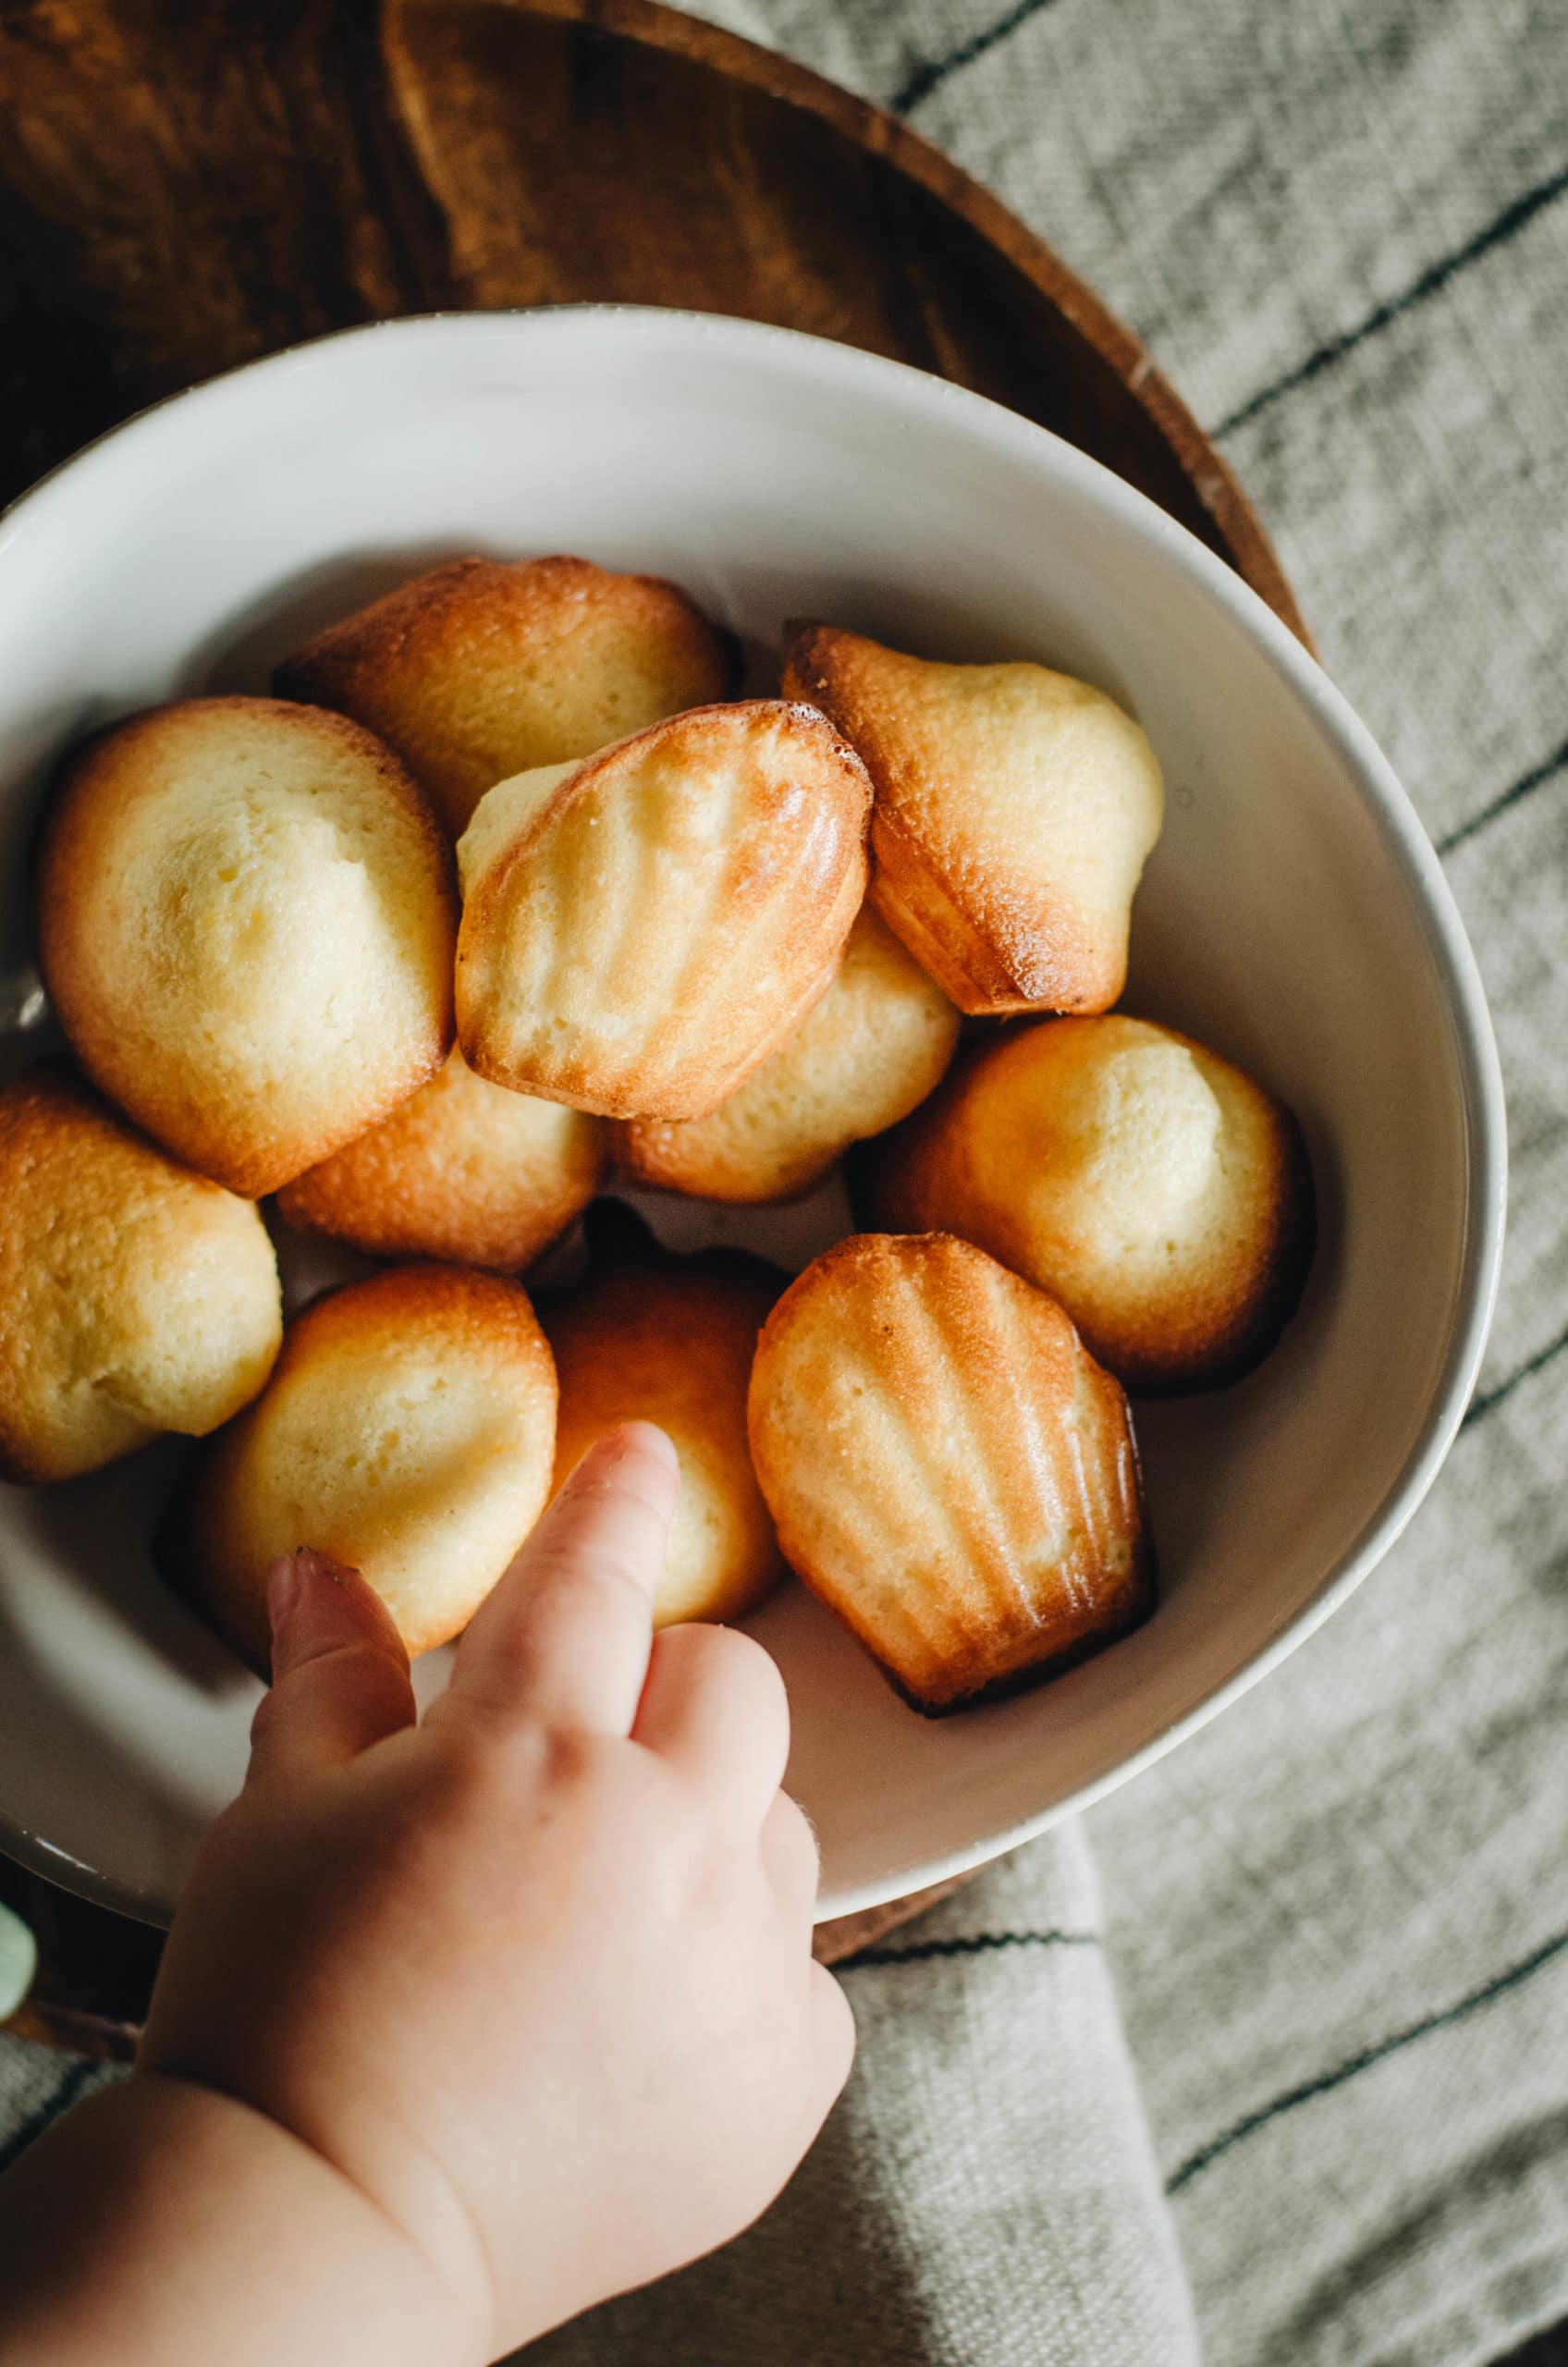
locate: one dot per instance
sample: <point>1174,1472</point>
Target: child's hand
<point>535,1975</point>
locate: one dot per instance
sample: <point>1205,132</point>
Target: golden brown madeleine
<point>463,1169</point>
<point>669,1340</point>
<point>871,1050</point>
<point>246,922</point>
<point>640,931</point>
<point>135,1296</point>
<point>948,1466</point>
<point>481,669</point>
<point>409,1431</point>
<point>1015,808</point>
<point>1161,1194</point>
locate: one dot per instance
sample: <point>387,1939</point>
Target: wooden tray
<point>183,187</point>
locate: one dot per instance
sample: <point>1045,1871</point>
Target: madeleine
<point>246,919</point>
<point>463,1170</point>
<point>1159,1193</point>
<point>664,1339</point>
<point>1015,808</point>
<point>948,1466</point>
<point>482,669</point>
<point>639,932</point>
<point>869,1052</point>
<point>407,1430</point>
<point>135,1296</point>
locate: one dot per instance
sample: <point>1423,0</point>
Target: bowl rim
<point>1414,859</point>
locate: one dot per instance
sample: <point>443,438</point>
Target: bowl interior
<point>1290,917</point>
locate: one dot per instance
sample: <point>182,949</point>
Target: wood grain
<point>184,186</point>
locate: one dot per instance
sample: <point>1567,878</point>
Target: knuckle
<point>837,2022</point>
<point>337,1670</point>
<point>336,1658</point>
<point>848,2036</point>
<point>461,1782</point>
<point>797,1826</point>
<point>567,1570</point>
<point>795,1860</point>
<point>578,1759</point>
<point>269,1709</point>
<point>736,1659</point>
<point>764,1671</point>
<point>615,1479</point>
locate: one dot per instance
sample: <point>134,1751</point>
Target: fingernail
<point>283,1589</point>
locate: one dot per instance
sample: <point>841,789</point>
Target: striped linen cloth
<point>1279,2033</point>
<point>1338,1919</point>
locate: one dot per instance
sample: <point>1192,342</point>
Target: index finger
<point>563,1640</point>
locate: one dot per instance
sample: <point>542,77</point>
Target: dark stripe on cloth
<point>1431,282</point>
<point>1537,777</point>
<point>930,76</point>
<point>1481,1406</point>
<point>1497,1987</point>
<point>973,1944</point>
<point>60,2098</point>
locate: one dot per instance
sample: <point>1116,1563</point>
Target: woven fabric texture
<point>1286,2021</point>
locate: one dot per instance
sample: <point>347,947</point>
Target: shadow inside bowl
<point>238,654</point>
<point>100,1529</point>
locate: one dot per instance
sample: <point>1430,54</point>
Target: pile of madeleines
<point>505,890</point>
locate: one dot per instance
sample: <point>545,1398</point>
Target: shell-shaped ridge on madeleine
<point>247,916</point>
<point>948,1466</point>
<point>640,930</point>
<point>1015,809</point>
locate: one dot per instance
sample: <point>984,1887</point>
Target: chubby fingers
<point>715,1704</point>
<point>339,1672</point>
<point>832,2044</point>
<point>563,1640</point>
<point>790,1855</point>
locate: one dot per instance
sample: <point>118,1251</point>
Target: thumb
<point>339,1670</point>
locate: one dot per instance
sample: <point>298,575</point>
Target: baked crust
<point>463,1169</point>
<point>408,1431</point>
<point>868,1053</point>
<point>948,1466</point>
<point>135,1296</point>
<point>1015,808</point>
<point>1160,1193</point>
<point>652,1337</point>
<point>247,914</point>
<point>485,668</point>
<point>639,932</point>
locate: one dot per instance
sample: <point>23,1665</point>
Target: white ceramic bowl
<point>1293,915</point>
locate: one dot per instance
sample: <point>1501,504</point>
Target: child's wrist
<point>364,2250</point>
<point>192,2210</point>
<point>365,2237</point>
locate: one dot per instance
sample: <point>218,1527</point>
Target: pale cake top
<point>484,668</point>
<point>875,1046</point>
<point>247,917</point>
<point>135,1296</point>
<point>407,1430</point>
<point>462,1170</point>
<point>1164,1195</point>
